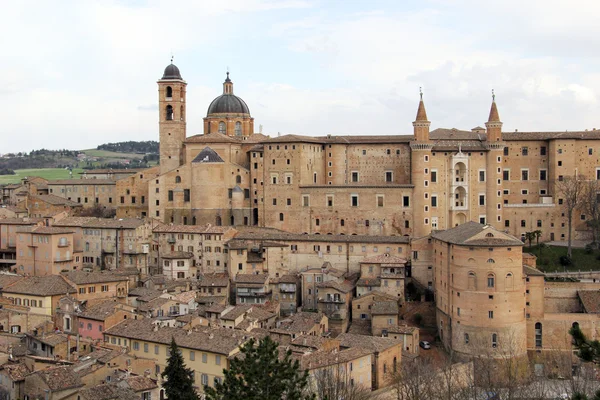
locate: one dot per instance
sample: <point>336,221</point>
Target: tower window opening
<point>238,129</point>
<point>169,115</point>
<point>169,92</point>
<point>222,127</point>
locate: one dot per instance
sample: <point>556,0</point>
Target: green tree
<point>529,236</point>
<point>179,382</point>
<point>259,374</point>
<point>587,350</point>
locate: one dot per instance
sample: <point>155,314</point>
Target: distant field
<point>110,154</point>
<point>48,173</point>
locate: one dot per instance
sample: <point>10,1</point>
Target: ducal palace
<point>344,220</point>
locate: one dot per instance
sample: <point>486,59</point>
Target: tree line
<point>144,147</point>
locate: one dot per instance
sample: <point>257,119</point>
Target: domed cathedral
<point>479,291</point>
<point>229,114</point>
<point>203,178</point>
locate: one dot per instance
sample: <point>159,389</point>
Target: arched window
<point>169,115</point>
<point>491,261</point>
<point>238,128</point>
<point>466,338</point>
<point>185,220</point>
<point>177,179</point>
<point>87,246</point>
<point>238,179</point>
<point>281,216</point>
<point>489,235</point>
<point>193,220</point>
<point>494,340</point>
<point>538,334</point>
<point>181,114</point>
<point>491,281</point>
<point>218,221</point>
<point>472,281</point>
<point>232,220</point>
<point>169,92</point>
<point>222,127</point>
<point>509,281</point>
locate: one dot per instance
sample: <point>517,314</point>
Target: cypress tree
<point>179,379</point>
<point>259,374</point>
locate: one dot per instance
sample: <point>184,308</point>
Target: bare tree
<point>414,381</point>
<point>591,206</point>
<point>571,189</point>
<point>334,382</point>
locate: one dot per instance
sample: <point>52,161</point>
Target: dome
<point>228,103</point>
<point>172,72</point>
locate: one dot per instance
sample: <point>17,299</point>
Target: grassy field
<point>110,154</point>
<point>48,173</point>
<point>549,258</point>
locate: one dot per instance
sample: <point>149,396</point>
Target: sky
<point>76,74</point>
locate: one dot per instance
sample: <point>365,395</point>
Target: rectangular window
<point>524,174</point>
<point>305,200</point>
<point>186,195</point>
<point>433,176</point>
<point>204,358</point>
<point>543,174</point>
<point>490,314</point>
<point>329,200</point>
<point>170,194</point>
<point>218,360</point>
<point>482,199</point>
<point>354,176</point>
<point>354,200</point>
<point>379,200</point>
<point>481,176</point>
<point>192,356</point>
<point>543,151</point>
<point>389,176</point>
<point>524,151</point>
<point>506,175</point>
<point>434,201</point>
<point>406,201</point>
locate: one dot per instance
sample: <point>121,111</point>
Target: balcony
<point>171,240</point>
<point>287,290</point>
<point>332,299</point>
<point>253,294</point>
<point>63,243</point>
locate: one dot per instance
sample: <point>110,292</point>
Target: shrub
<point>565,261</point>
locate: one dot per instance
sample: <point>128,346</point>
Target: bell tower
<point>495,147</point>
<point>171,121</point>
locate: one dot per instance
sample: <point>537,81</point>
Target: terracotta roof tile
<point>590,300</point>
<point>385,308</point>
<point>49,285</point>
<point>372,343</point>
<point>83,278</point>
<point>383,259</point>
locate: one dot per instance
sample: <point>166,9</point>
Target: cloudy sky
<point>75,74</point>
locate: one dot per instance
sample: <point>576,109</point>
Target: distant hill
<point>148,147</point>
<point>110,155</point>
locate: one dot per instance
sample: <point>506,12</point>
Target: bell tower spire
<point>494,126</point>
<point>421,124</point>
<point>172,116</point>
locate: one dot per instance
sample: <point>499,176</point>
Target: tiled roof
<point>208,155</point>
<point>208,228</point>
<point>110,223</point>
<point>44,230</point>
<point>185,297</point>
<point>100,311</point>
<point>8,279</point>
<point>590,300</point>
<point>73,221</point>
<point>343,287</point>
<point>19,221</point>
<point>55,200</point>
<point>211,280</point>
<point>404,329</point>
<point>83,278</point>
<point>108,391</point>
<point>301,322</point>
<point>214,137</point>
<point>372,343</point>
<point>50,339</point>
<point>256,233</point>
<point>376,295</point>
<point>177,255</point>
<point>368,282</point>
<point>140,383</point>
<point>383,259</point>
<point>49,285</point>
<point>60,378</point>
<point>530,271</point>
<point>323,358</point>
<point>236,312</point>
<point>385,308</point>
<point>153,304</point>
<point>312,341</point>
<point>219,340</point>
<point>81,182</point>
<point>16,372</point>
<point>251,278</point>
<point>464,233</point>
<point>288,278</point>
